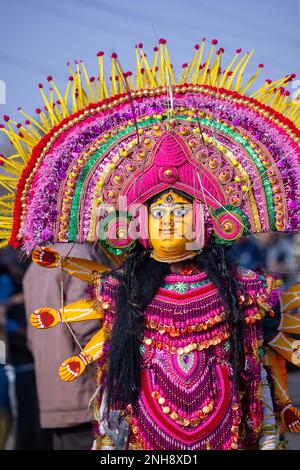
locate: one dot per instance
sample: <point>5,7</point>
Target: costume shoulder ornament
<point>92,144</point>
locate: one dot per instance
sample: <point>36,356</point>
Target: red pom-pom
<point>197,47</point>
<point>142,70</point>
<point>1,160</point>
<point>49,78</point>
<point>38,111</point>
<point>92,79</point>
<point>71,78</point>
<point>230,73</point>
<point>141,45</point>
<point>162,41</point>
<point>203,39</point>
<point>20,134</point>
<point>100,54</point>
<point>40,85</point>
<point>184,66</point>
<point>27,122</point>
<point>261,66</point>
<point>214,42</point>
<point>114,55</point>
<point>238,51</point>
<point>2,126</point>
<point>293,75</point>
<point>268,81</point>
<point>6,118</point>
<point>155,49</point>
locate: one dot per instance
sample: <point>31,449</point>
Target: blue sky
<point>38,37</point>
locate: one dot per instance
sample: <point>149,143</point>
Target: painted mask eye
<point>181,211</point>
<point>157,213</point>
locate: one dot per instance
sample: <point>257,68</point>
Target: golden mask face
<point>170,223</point>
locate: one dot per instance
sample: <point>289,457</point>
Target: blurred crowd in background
<point>38,410</point>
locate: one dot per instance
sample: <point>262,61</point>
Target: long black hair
<point>140,278</point>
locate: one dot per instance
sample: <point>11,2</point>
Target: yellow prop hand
<point>78,267</point>
<point>77,311</point>
<point>74,366</point>
<point>44,318</point>
<point>71,368</point>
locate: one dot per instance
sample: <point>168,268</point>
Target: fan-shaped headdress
<point>201,134</point>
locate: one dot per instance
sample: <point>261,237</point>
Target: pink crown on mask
<point>172,165</point>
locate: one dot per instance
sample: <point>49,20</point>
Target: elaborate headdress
<point>236,154</point>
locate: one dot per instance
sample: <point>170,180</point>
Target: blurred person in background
<point>23,396</point>
<point>6,290</point>
<point>64,407</point>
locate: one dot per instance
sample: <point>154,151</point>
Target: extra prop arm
<point>78,267</point>
<point>77,311</point>
<point>74,366</point>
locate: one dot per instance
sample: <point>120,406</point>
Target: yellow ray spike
<point>87,81</point>
<point>58,111</point>
<point>295,109</point>
<point>214,73</point>
<point>262,90</point>
<point>7,186</point>
<point>103,93</point>
<point>229,67</point>
<point>30,118</point>
<point>130,81</point>
<point>282,82</point>
<point>124,84</point>
<point>235,70</point>
<point>78,85</point>
<point>162,65</point>
<point>168,63</point>
<point>13,167</point>
<point>199,59</point>
<point>192,64</point>
<point>252,79</point>
<point>45,121</point>
<point>113,74</point>
<point>241,71</point>
<point>60,98</point>
<point>67,91</point>
<point>207,64</point>
<point>147,68</point>
<point>52,117</point>
<point>74,99</point>
<point>25,137</point>
<point>15,139</point>
<point>138,69</point>
<point>32,131</point>
<point>183,74</point>
<point>96,89</point>
<point>154,64</point>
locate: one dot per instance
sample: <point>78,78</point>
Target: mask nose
<point>167,222</point>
